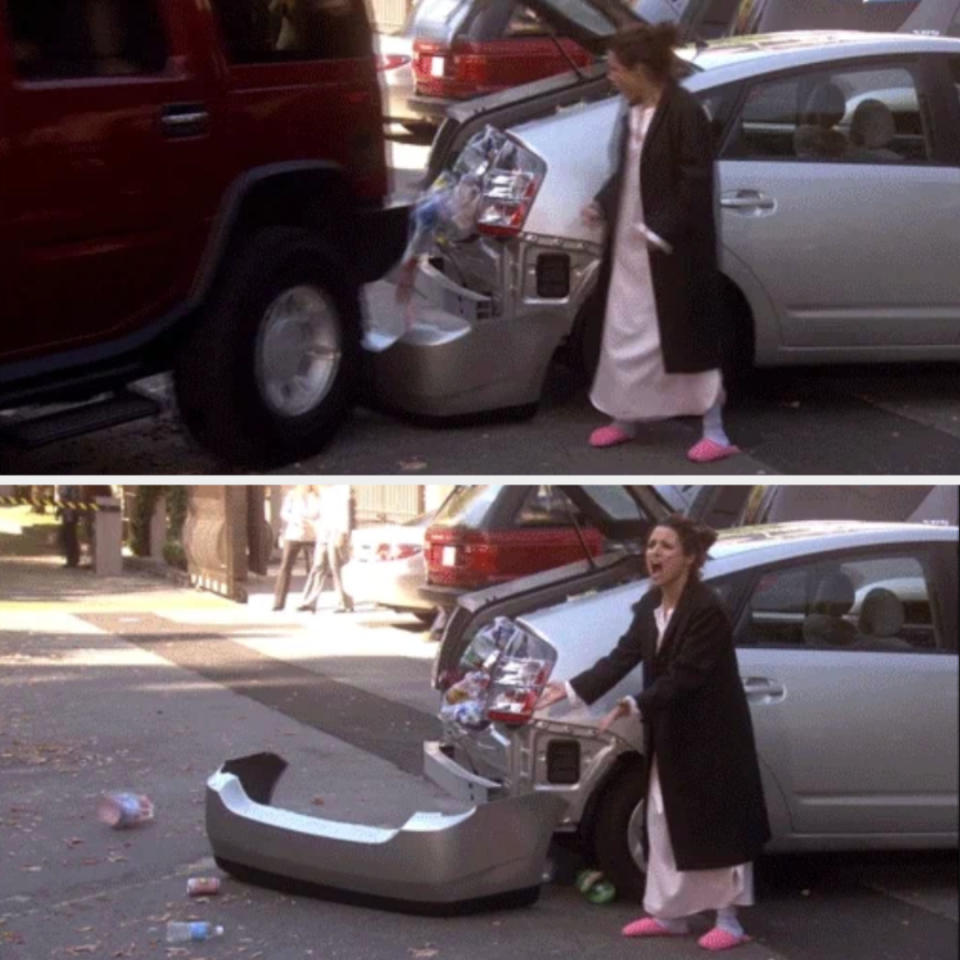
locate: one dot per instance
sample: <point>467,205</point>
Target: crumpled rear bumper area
<point>489,856</point>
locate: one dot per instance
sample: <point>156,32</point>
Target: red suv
<point>195,186</point>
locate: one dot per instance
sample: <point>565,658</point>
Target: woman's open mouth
<point>656,568</point>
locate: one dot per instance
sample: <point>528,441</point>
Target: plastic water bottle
<point>178,932</point>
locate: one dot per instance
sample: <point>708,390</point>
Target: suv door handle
<point>747,200</point>
<point>184,120</point>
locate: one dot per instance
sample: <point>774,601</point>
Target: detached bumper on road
<point>493,854</point>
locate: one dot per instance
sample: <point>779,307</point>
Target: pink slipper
<point>608,436</point>
<point>720,939</point>
<point>648,927</point>
<point>706,451</point>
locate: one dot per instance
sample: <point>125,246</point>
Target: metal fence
<point>392,503</point>
<point>389,16</point>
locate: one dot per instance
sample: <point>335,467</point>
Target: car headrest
<point>881,614</point>
<point>834,595</point>
<point>872,124</point>
<point>825,107</point>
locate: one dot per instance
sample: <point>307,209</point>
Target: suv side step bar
<point>491,855</point>
<point>120,407</point>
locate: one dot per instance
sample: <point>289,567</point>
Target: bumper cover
<point>491,855</point>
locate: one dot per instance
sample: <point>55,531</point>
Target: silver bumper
<point>491,854</point>
<point>467,352</point>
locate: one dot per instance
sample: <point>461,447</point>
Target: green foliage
<point>143,508</point>
<point>176,511</point>
<point>174,554</point>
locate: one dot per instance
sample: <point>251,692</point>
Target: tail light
<point>470,559</point>
<point>510,177</point>
<point>397,551</point>
<point>391,61</point>
<point>508,667</point>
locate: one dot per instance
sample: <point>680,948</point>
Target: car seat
<point>881,619</point>
<point>872,129</point>
<point>824,626</point>
<point>817,137</point>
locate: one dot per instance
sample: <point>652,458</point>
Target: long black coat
<point>677,189</point>
<point>697,724</point>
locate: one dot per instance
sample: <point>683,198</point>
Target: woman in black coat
<point>660,355</point>
<point>706,819</point>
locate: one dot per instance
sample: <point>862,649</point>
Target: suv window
<point>264,31</point>
<point>850,116</point>
<point>467,505</point>
<point>64,39</point>
<point>873,603</point>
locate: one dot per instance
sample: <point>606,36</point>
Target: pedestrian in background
<point>333,541</point>
<point>660,354</point>
<point>299,513</point>
<point>706,819</point>
<point>69,523</point>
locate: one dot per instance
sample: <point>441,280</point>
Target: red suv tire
<point>270,369</point>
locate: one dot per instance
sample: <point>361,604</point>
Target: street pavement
<point>132,682</point>
<point>874,421</point>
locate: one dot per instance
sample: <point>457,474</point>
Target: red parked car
<point>490,534</point>
<point>467,50</point>
<point>195,186</point>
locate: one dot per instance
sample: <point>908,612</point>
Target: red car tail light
<point>391,61</point>
<point>397,551</point>
<point>471,559</point>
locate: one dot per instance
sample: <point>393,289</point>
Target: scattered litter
<point>595,887</point>
<point>203,886</point>
<point>183,932</point>
<point>414,463</point>
<point>121,809</point>
<point>804,893</point>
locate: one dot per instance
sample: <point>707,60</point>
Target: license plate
<point>449,557</point>
<point>437,65</point>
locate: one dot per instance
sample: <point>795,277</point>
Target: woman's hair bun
<point>706,536</point>
<point>666,33</point>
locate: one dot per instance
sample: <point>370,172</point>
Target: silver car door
<point>832,198</point>
<point>855,707</point>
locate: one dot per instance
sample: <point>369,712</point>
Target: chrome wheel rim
<point>299,350</point>
<point>635,836</point>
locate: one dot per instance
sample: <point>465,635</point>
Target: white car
<point>838,225</point>
<point>846,636</point>
<point>386,567</point>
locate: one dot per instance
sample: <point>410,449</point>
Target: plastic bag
<point>446,212</point>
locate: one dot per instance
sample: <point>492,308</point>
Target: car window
<point>838,116</point>
<point>547,506</point>
<point>65,39</point>
<point>524,22</point>
<point>869,603</point>
<point>467,506</point>
<point>264,31</point>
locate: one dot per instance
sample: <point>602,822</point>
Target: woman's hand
<point>622,709</point>
<point>592,215</point>
<point>552,693</point>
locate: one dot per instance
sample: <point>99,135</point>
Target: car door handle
<point>184,120</point>
<point>747,200</point>
<point>762,688</point>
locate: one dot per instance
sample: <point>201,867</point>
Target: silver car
<point>847,640</point>
<point>839,192</point>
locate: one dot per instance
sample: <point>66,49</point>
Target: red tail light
<point>397,551</point>
<point>472,559</point>
<point>390,61</point>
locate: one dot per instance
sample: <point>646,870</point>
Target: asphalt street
<point>830,420</point>
<point>134,683</point>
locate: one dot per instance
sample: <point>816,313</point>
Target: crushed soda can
<point>121,809</point>
<point>203,886</point>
